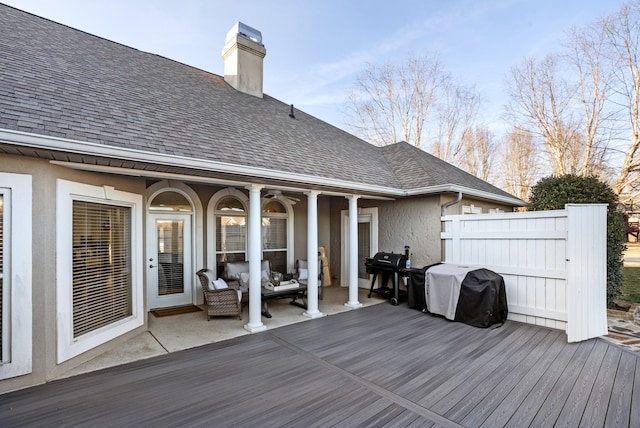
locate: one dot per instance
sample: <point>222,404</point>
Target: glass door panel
<point>169,277</point>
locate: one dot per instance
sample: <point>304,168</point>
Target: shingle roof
<point>60,82</point>
<point>410,164</point>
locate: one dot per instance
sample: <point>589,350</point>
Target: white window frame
<point>244,199</point>
<point>68,191</point>
<point>211,221</point>
<point>288,216</point>
<point>17,189</point>
<point>471,209</point>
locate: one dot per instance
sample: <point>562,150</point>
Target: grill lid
<point>389,261</point>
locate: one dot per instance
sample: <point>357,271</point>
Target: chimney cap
<point>244,31</point>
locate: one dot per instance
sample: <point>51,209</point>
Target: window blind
<point>102,286</point>
<point>170,257</point>
<point>231,233</point>
<point>274,233</point>
<point>364,248</point>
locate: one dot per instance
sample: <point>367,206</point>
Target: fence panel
<point>553,263</point>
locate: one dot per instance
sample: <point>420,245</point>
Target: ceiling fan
<point>277,194</point>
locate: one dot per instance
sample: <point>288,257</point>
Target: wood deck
<point>378,366</point>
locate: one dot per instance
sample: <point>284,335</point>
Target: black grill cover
<point>415,288</point>
<point>483,300</point>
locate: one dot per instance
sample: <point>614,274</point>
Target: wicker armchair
<point>224,302</point>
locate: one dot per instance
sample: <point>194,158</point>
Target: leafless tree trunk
<point>479,152</point>
<point>541,104</point>
<point>519,163</point>
<point>587,54</point>
<point>623,35</point>
<point>457,110</point>
<point>392,102</point>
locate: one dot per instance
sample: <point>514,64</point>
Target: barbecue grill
<point>388,265</point>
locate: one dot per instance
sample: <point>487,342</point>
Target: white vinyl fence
<point>553,263</point>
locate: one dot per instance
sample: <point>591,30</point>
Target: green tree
<point>552,193</point>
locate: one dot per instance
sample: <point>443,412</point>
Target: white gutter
<point>79,147</point>
<point>93,149</point>
<point>192,178</point>
<point>455,188</point>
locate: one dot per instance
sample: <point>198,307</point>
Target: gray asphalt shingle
<point>61,82</point>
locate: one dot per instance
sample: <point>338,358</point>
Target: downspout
<point>446,205</point>
<point>443,208</point>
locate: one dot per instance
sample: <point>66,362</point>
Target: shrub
<point>552,193</point>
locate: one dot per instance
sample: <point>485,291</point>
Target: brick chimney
<point>243,55</point>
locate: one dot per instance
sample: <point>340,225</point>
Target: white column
<point>255,257</point>
<point>353,253</point>
<point>312,256</point>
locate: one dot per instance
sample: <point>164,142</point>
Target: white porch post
<point>255,257</point>
<point>353,253</point>
<point>312,256</point>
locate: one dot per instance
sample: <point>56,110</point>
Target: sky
<point>317,48</point>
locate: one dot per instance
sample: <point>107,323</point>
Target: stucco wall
<point>411,221</point>
<point>414,222</point>
<point>44,177</point>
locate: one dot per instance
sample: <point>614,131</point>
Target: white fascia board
<point>454,188</point>
<point>193,178</point>
<point>94,149</point>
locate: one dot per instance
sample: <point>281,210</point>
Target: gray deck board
<point>619,410</point>
<point>524,384</point>
<point>598,403</point>
<point>380,366</point>
<point>492,390</point>
<point>577,400</point>
<point>530,406</point>
<point>634,416</point>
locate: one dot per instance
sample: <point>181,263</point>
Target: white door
<point>169,277</point>
<point>367,244</point>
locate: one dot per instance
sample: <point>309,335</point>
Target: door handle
<point>151,266</point>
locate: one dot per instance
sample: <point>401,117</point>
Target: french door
<point>169,272</point>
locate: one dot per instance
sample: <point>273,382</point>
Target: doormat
<point>177,310</point>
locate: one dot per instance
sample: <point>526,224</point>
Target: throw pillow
<point>244,279</point>
<point>303,273</point>
<point>220,284</point>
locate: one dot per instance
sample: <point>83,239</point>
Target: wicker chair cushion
<point>233,269</point>
<point>210,278</point>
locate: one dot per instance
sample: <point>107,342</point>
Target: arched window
<point>228,229</point>
<point>170,201</point>
<point>231,230</point>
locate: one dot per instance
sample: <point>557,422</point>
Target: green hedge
<point>552,193</point>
